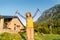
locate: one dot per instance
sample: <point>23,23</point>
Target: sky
<point>9,7</point>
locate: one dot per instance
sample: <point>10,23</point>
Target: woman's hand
<point>17,12</point>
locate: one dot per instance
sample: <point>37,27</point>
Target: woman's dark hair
<point>27,13</point>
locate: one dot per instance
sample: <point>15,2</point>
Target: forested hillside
<point>49,21</point>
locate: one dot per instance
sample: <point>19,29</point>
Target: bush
<point>8,36</point>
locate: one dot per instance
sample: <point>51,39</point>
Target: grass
<point>8,36</point>
<point>38,36</point>
<point>47,37</point>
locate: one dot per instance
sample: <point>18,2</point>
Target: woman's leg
<point>32,33</point>
<point>28,33</point>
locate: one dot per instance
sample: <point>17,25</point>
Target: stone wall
<point>1,23</point>
<point>15,24</point>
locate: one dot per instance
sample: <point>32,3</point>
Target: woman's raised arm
<point>20,14</point>
<point>35,13</point>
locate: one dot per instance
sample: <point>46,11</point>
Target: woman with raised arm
<point>29,24</point>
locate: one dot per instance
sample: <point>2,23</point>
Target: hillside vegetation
<point>49,21</point>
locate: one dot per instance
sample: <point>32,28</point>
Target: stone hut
<point>11,23</point>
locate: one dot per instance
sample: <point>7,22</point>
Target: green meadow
<point>47,37</point>
<point>38,36</point>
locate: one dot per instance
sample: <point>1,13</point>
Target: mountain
<point>50,12</point>
<point>50,17</point>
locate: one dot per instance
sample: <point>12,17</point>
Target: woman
<point>29,24</point>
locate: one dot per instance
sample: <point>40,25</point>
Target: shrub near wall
<point>8,36</point>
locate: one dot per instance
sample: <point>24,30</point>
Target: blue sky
<point>8,7</point>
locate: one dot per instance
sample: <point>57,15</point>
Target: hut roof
<point>3,16</point>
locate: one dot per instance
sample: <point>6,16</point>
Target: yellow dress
<point>29,22</point>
